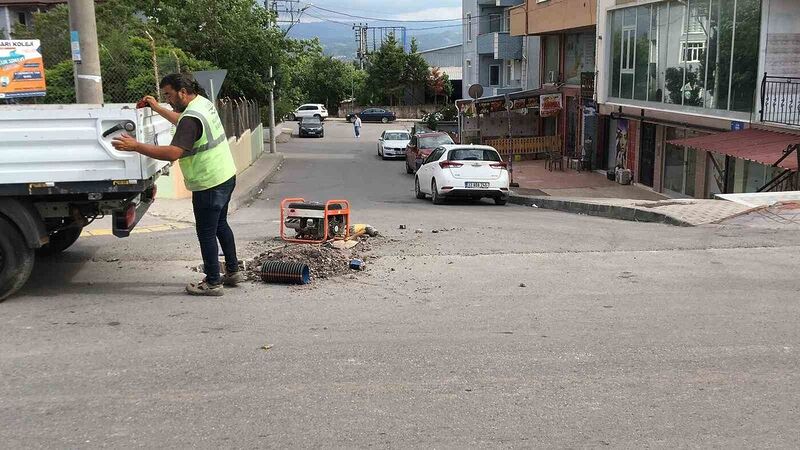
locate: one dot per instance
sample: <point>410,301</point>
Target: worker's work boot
<point>233,278</point>
<point>203,288</point>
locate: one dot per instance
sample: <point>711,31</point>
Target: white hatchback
<point>393,143</point>
<point>463,171</point>
<point>309,110</point>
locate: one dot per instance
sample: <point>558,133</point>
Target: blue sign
<point>737,126</point>
<point>75,44</point>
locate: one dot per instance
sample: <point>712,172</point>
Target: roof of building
<point>446,47</point>
<point>752,144</point>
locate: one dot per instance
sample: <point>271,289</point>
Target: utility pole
<point>272,143</point>
<point>85,52</point>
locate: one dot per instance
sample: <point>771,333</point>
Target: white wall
<point>602,50</point>
<point>780,38</point>
<point>470,75</point>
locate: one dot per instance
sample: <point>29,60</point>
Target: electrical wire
<point>348,24</point>
<point>309,5</point>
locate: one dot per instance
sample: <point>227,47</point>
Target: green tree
<point>416,73</point>
<point>386,70</point>
<point>126,57</point>
<point>324,79</point>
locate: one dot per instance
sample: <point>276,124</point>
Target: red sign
<point>549,104</point>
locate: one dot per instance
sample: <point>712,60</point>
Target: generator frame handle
<point>326,213</point>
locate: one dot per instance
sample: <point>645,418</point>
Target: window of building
<point>552,51</point>
<point>507,20</point>
<point>495,23</point>
<point>494,75</point>
<point>23,19</point>
<point>468,75</point>
<point>469,27</point>
<point>667,52</point>
<point>578,56</point>
<point>691,51</point>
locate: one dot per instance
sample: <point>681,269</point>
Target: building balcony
<point>502,3</point>
<point>501,45</point>
<point>780,100</point>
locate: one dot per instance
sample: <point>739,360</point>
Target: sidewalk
<point>591,193</point>
<point>535,179</point>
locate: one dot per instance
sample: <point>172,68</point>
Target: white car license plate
<point>473,184</point>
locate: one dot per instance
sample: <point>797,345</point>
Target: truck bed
<point>51,144</point>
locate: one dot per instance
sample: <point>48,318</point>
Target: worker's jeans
<point>211,222</point>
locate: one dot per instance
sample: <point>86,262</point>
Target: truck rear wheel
<point>16,259</point>
<point>60,241</point>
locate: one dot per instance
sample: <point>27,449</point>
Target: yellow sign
<point>21,69</point>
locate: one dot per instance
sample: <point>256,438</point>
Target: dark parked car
<point>311,126</point>
<point>373,115</point>
<point>421,145</point>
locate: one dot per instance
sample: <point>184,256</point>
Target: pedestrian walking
<point>201,148</point>
<point>357,126</point>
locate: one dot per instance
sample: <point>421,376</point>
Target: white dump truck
<point>59,172</point>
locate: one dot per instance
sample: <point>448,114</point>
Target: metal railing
<point>525,145</point>
<point>780,100</point>
<point>238,115</point>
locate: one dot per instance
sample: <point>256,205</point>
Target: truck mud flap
<point>125,220</point>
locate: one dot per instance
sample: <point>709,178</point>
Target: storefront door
<point>647,154</point>
<point>679,165</point>
<point>572,126</point>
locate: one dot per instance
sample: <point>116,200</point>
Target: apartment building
<point>700,97</point>
<point>492,57</point>
<point>19,13</point>
<point>567,32</point>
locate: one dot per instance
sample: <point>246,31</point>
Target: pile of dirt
<point>323,260</point>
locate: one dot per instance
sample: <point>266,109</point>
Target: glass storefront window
<point>700,53</point>
<point>578,56</point>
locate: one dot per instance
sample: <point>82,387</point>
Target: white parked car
<point>463,171</point>
<point>392,143</point>
<point>309,110</point>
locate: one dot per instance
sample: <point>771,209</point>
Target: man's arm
<point>126,143</point>
<point>168,114</point>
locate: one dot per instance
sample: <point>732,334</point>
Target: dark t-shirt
<point>189,130</point>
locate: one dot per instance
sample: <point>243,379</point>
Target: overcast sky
<point>390,9</point>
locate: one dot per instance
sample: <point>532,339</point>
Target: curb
<point>593,209</point>
<point>247,195</point>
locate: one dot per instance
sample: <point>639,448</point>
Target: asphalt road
<point>625,334</point>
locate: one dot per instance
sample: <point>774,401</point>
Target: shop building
<point>699,97</point>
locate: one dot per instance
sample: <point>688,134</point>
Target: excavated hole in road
<point>323,260</point>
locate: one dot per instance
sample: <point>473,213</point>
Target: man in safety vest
<point>201,147</point>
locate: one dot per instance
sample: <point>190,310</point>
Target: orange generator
<point>314,222</point>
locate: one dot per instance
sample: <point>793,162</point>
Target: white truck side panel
<point>64,143</point>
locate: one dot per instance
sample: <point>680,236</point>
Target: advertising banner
<point>549,104</point>
<point>21,69</point>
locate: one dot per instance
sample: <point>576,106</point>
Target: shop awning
<point>761,146</point>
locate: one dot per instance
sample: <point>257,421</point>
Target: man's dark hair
<point>180,81</point>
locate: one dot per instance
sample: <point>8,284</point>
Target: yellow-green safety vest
<point>210,162</point>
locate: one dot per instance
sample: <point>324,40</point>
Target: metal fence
<point>780,100</point>
<point>238,115</point>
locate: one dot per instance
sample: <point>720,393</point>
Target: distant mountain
<point>339,40</point>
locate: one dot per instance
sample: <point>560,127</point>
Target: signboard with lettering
<point>21,69</point>
<point>549,104</point>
